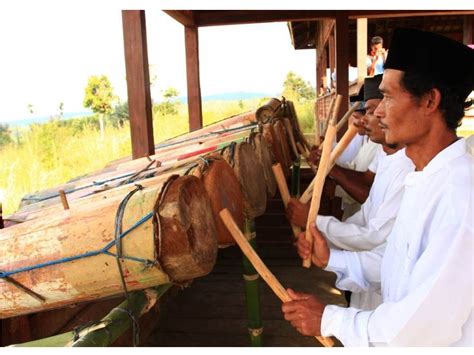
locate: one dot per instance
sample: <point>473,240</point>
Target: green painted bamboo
<point>295,178</point>
<point>252,294</point>
<point>109,328</point>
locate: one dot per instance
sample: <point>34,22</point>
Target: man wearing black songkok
<point>425,270</point>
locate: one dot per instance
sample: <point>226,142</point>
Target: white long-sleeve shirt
<point>349,154</point>
<point>370,227</point>
<point>360,162</point>
<point>426,270</point>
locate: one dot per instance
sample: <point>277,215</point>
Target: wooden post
<point>361,50</point>
<point>331,53</point>
<point>192,74</point>
<point>63,197</point>
<point>258,264</point>
<point>468,29</point>
<point>138,82</point>
<point>342,62</point>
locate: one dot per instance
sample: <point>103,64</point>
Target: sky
<point>51,47</point>
<point>48,58</point>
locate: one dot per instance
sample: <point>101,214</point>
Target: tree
<point>5,135</point>
<point>120,114</point>
<point>294,87</point>
<point>99,97</point>
<point>169,106</point>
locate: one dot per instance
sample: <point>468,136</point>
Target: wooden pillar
<point>192,74</point>
<point>138,82</point>
<point>332,54</point>
<point>342,63</point>
<point>361,50</point>
<point>468,29</point>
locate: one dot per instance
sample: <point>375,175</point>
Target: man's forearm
<point>357,184</point>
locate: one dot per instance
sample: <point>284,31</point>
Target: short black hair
<point>451,104</point>
<point>376,40</point>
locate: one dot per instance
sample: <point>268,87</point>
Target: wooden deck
<point>212,312</point>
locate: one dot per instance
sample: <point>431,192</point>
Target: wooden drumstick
<point>284,192</point>
<point>318,185</point>
<point>336,153</point>
<point>258,264</point>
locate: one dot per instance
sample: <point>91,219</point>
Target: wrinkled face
<point>356,119</point>
<point>371,121</point>
<point>401,118</point>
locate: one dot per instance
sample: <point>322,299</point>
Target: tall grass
<point>53,153</point>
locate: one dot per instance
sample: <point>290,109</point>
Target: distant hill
<point>46,118</point>
<point>230,96</point>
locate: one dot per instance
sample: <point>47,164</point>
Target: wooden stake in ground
<point>285,194</point>
<point>261,268</point>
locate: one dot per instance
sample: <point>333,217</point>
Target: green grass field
<point>53,153</point>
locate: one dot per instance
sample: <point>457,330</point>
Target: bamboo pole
<point>285,194</point>
<point>109,328</point>
<point>261,268</point>
<point>335,154</point>
<point>252,294</point>
<point>318,184</point>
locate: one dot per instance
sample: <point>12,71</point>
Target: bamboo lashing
<point>336,153</point>
<point>261,268</point>
<point>321,175</point>
<point>285,194</point>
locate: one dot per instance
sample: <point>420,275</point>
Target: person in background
<point>377,56</point>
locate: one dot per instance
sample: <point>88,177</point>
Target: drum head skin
<point>250,174</point>
<point>266,158</point>
<point>186,232</point>
<point>224,191</point>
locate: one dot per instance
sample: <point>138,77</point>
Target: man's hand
<point>297,212</point>
<point>304,312</point>
<point>315,155</point>
<point>319,253</point>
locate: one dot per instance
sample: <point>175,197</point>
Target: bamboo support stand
<point>252,294</point>
<point>285,194</point>
<point>109,328</point>
<point>261,268</point>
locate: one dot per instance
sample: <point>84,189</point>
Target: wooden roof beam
<point>202,18</point>
<point>185,17</point>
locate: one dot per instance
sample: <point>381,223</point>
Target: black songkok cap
<point>433,56</point>
<point>371,87</point>
<point>359,96</point>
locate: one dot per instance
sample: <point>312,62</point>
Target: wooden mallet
<point>284,192</point>
<point>258,264</point>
